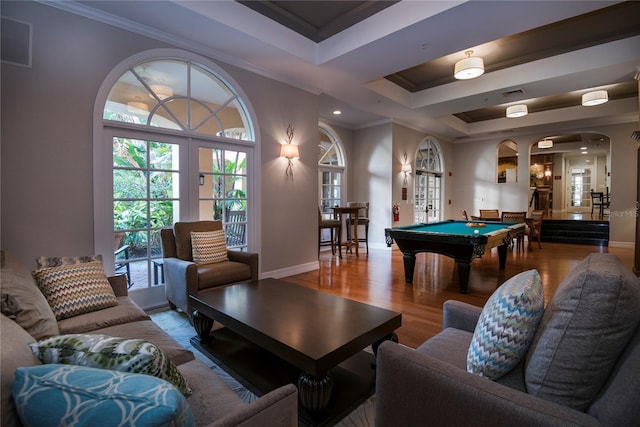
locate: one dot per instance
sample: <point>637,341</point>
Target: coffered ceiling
<point>394,60</point>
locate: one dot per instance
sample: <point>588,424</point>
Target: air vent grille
<point>514,92</point>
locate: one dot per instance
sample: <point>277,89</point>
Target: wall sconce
<point>201,179</point>
<point>289,151</point>
<point>406,169</point>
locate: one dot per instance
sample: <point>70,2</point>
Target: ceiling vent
<point>511,93</point>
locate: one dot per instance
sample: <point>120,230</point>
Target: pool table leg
<point>409,265</point>
<point>463,275</point>
<point>502,256</point>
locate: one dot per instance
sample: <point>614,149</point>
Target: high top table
<point>318,336</point>
<point>350,214</point>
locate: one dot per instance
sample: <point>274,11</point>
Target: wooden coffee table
<point>275,331</point>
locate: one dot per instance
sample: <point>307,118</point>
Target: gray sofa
<point>29,318</point>
<point>586,347</point>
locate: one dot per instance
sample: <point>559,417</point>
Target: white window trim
<point>102,152</point>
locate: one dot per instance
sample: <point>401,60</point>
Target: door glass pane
<point>223,194</point>
<point>145,199</point>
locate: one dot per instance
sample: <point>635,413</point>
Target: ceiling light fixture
<point>337,112</point>
<point>519,110</point>
<point>545,143</point>
<point>162,91</point>
<point>597,97</point>
<point>134,106</point>
<point>469,67</point>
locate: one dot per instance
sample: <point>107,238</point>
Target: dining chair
<point>490,214</point>
<point>597,200</point>
<point>333,225</point>
<point>534,226</point>
<point>516,217</point>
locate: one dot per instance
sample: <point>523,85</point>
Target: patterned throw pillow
<point>118,354</point>
<point>506,326</point>
<point>209,247</point>
<point>57,261</point>
<point>81,396</point>
<point>75,289</point>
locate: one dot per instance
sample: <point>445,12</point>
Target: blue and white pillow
<point>79,396</point>
<point>507,326</point>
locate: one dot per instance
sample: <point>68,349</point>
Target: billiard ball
<point>476,231</point>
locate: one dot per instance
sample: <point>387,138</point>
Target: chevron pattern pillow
<point>506,326</point>
<point>209,247</point>
<point>75,289</point>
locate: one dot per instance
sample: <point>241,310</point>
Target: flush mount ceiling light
<point>469,67</point>
<point>162,91</point>
<point>519,110</point>
<point>596,97</point>
<point>545,143</point>
<point>134,106</point>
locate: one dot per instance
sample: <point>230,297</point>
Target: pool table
<point>455,239</point>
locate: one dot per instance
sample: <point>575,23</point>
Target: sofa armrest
<point>278,408</point>
<point>460,315</point>
<point>119,285</point>
<point>249,258</point>
<point>415,389</point>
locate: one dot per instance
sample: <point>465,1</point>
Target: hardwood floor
<point>377,278</point>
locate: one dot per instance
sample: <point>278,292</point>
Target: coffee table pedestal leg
<point>202,324</point>
<point>314,392</point>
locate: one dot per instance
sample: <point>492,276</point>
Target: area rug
<point>177,325</point>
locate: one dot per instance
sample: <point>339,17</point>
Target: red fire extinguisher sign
<point>396,213</point>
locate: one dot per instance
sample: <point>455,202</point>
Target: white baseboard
<point>290,271</point>
<point>628,245</point>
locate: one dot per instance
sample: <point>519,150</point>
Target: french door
<point>161,180</point>
<point>427,198</point>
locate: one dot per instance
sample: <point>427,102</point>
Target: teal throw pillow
<point>118,354</point>
<point>78,396</point>
<point>506,326</point>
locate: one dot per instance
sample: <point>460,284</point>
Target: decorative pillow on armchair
<point>209,247</point>
<point>118,354</point>
<point>57,261</point>
<point>506,326</point>
<point>75,289</point>
<point>62,395</point>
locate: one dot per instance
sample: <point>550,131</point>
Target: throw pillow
<point>81,396</point>
<point>507,325</point>
<point>586,326</point>
<point>23,301</point>
<point>57,261</point>
<point>75,289</point>
<point>209,247</point>
<point>118,354</point>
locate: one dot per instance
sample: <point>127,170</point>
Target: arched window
<point>331,164</point>
<point>428,182</point>
<point>176,143</point>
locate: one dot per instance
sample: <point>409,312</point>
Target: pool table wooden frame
<point>461,247</point>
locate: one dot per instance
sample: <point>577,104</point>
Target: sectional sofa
<point>27,318</point>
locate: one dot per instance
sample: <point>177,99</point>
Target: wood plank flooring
<point>377,278</point>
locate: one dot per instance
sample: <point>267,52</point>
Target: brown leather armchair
<point>184,277</point>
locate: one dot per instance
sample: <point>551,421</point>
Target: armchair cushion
<point>507,325</point>
<point>75,289</point>
<point>209,247</point>
<point>586,326</point>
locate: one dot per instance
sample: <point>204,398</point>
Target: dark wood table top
<point>312,330</point>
